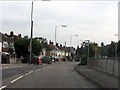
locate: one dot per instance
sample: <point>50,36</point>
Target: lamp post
<point>79,41</point>
<point>56,33</point>
<point>31,32</point>
<point>116,47</point>
<point>115,53</point>
<point>71,39</point>
<point>56,30</point>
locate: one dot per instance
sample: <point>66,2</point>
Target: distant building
<point>41,39</point>
<point>7,43</point>
<point>55,51</point>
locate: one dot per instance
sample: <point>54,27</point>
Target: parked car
<point>64,58</point>
<point>47,59</point>
<point>77,59</point>
<point>36,60</point>
<point>5,57</point>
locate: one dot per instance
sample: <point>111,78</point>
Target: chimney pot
<point>56,44</point>
<point>60,45</point>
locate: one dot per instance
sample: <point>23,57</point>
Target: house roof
<point>7,38</point>
<point>50,46</point>
<point>62,48</point>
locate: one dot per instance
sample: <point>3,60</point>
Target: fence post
<point>101,64</point>
<point>113,66</point>
<point>106,65</point>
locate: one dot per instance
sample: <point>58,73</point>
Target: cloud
<point>89,19</point>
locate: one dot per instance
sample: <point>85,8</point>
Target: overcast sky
<point>93,20</point>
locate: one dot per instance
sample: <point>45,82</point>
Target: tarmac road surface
<point>56,75</point>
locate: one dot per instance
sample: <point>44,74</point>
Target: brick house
<point>7,43</point>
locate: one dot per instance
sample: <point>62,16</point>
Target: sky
<point>96,21</point>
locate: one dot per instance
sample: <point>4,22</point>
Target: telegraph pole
<point>31,32</point>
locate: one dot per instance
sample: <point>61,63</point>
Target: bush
<point>83,60</point>
<point>25,60</point>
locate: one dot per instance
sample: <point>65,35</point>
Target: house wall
<point>45,52</point>
<point>5,44</point>
<point>0,46</point>
<point>0,50</point>
<point>52,53</point>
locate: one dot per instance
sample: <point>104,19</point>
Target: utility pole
<point>31,32</point>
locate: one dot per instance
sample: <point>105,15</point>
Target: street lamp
<point>79,41</point>
<point>56,30</point>
<point>71,39</point>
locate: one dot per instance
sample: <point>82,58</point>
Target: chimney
<point>19,35</point>
<point>60,45</point>
<point>50,42</point>
<point>11,34</point>
<point>56,44</point>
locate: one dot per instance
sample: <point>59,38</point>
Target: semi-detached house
<point>7,44</point>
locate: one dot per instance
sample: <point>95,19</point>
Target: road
<point>56,75</point>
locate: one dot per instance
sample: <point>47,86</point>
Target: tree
<point>111,49</point>
<point>118,49</point>
<point>102,50</point>
<point>36,47</point>
<point>21,47</point>
<point>93,50</point>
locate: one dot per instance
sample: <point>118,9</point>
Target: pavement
<point>103,79</point>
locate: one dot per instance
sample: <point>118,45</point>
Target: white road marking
<point>37,69</point>
<point>43,67</point>
<point>16,79</point>
<point>28,72</point>
<point>3,87</point>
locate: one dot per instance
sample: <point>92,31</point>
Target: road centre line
<point>43,67</point>
<point>3,87</point>
<point>37,69</point>
<point>28,72</point>
<point>16,79</point>
<point>23,76</point>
